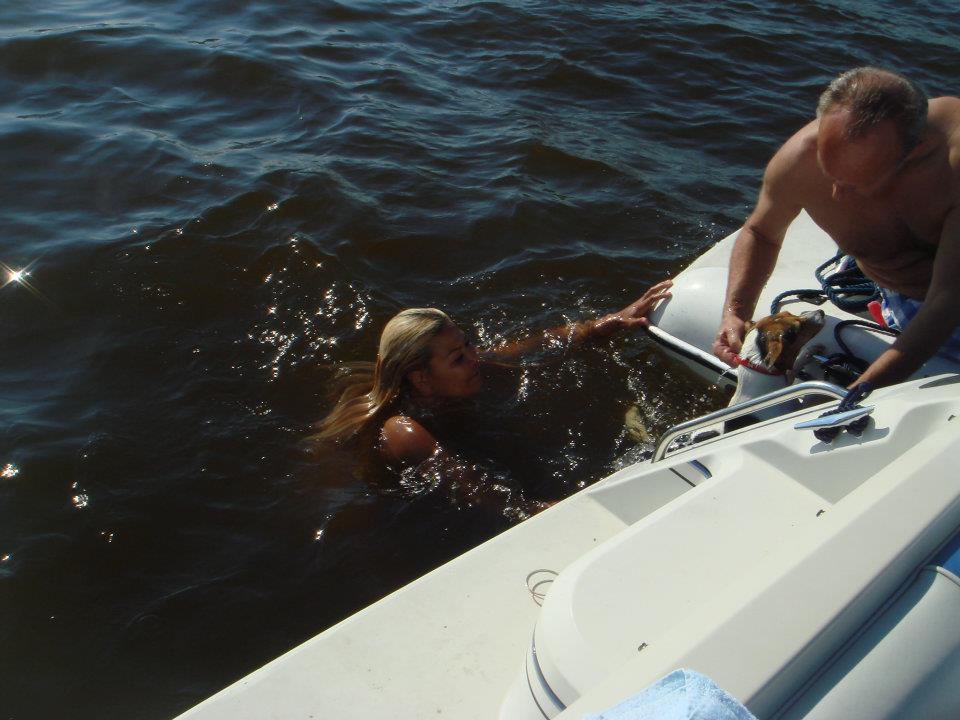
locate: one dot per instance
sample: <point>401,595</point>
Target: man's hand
<point>729,339</point>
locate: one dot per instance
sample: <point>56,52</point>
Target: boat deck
<point>723,574</point>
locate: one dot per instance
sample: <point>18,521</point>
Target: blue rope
<point>848,289</point>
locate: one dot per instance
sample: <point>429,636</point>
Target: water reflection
<point>15,277</point>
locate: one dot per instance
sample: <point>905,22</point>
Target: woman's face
<point>454,368</point>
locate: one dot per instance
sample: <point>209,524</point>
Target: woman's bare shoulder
<point>404,440</point>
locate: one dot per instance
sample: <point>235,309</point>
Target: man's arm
<point>757,246</point>
<point>936,320</point>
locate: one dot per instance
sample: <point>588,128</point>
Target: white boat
<point>809,579</point>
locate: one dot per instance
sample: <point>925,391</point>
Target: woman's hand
<point>633,315</point>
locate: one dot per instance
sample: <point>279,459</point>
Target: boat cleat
<point>828,426</point>
<point>847,416</point>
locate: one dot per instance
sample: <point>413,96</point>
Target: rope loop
<point>846,287</point>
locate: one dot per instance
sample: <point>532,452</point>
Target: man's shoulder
<point>945,104</point>
<point>795,163</point>
<point>944,113</point>
<point>800,148</point>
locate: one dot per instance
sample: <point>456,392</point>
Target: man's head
<point>872,96</point>
<point>870,122</point>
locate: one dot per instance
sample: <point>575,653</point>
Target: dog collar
<point>737,360</point>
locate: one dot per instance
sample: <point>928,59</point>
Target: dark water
<point>216,201</point>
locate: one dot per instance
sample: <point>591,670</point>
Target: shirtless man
<point>879,170</point>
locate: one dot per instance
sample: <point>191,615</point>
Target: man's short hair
<point>873,95</point>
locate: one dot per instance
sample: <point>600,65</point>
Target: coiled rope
<point>846,287</point>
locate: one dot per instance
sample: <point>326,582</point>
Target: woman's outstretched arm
<point>569,336</point>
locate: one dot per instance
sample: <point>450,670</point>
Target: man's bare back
<point>895,209</point>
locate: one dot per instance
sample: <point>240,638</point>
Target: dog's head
<point>779,338</point>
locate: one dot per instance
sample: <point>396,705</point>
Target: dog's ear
<point>774,346</point>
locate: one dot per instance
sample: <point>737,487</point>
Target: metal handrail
<point>791,392</point>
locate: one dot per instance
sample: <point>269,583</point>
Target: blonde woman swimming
<point>425,361</point>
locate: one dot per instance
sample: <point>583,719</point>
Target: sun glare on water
<point>20,277</point>
<point>14,276</point>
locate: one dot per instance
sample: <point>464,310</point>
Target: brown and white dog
<point>771,353</point>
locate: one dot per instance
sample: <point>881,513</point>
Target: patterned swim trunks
<point>898,310</point>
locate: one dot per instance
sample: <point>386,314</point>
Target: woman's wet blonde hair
<point>372,389</point>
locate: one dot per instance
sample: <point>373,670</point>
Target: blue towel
<point>681,695</point>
